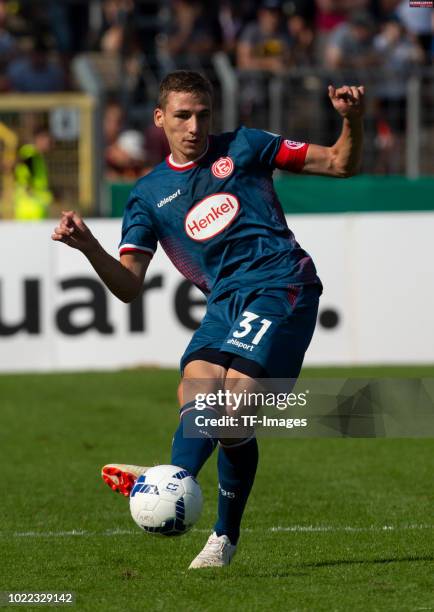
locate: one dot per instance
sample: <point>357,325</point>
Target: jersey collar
<point>191,164</point>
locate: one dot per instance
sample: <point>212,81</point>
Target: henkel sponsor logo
<point>211,216</point>
<point>222,167</point>
<point>293,144</point>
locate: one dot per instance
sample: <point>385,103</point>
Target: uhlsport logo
<point>223,167</point>
<point>293,144</point>
<point>169,198</point>
<point>211,216</point>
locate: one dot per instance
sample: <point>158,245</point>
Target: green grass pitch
<point>331,525</point>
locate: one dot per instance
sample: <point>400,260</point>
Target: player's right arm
<point>124,277</point>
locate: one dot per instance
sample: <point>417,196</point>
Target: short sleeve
<point>138,234</point>
<point>262,146</point>
<point>272,151</point>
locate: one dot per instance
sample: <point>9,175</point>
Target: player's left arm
<point>342,159</point>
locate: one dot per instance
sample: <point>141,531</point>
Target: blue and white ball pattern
<point>166,500</point>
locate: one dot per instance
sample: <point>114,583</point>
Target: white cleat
<point>121,476</point>
<point>217,552</point>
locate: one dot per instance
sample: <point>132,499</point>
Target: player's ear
<point>158,117</point>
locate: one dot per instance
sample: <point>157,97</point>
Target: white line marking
<point>278,529</point>
<point>325,528</point>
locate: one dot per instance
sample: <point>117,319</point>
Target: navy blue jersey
<point>219,219</point>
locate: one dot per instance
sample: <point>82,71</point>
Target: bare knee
<point>242,388</point>
<point>200,377</point>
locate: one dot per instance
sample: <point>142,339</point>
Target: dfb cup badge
<point>294,145</point>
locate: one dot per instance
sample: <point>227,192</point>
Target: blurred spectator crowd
<point>39,41</point>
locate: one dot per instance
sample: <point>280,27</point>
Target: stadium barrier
<point>376,308</point>
<point>364,193</point>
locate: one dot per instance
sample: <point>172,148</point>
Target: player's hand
<point>74,232</point>
<point>349,101</point>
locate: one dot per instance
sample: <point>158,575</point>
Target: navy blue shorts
<point>263,333</point>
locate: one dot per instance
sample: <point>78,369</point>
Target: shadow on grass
<point>367,561</point>
<point>296,570</point>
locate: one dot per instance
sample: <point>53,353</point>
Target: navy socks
<point>236,472</point>
<point>236,467</point>
<point>191,452</point>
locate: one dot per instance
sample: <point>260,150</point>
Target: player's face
<point>186,123</point>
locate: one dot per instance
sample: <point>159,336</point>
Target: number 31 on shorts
<point>246,327</point>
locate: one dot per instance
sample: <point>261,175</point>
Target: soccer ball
<point>166,500</point>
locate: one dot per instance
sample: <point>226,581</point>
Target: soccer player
<point>212,207</point>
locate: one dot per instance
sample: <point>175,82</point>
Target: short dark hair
<point>183,80</point>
